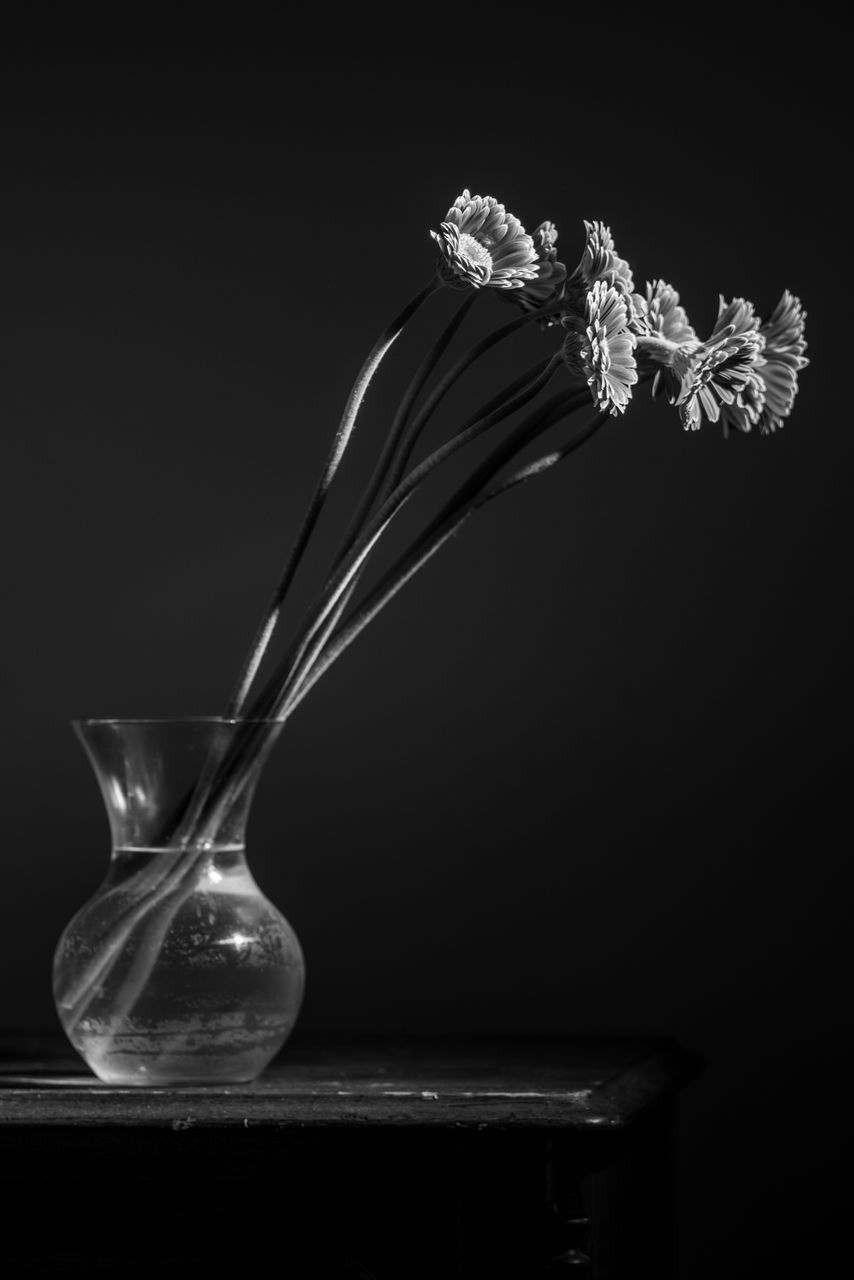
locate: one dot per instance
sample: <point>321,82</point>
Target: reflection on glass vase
<point>178,970</point>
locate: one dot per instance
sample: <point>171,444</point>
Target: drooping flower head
<point>769,394</point>
<point>719,369</point>
<point>782,358</point>
<point>665,336</point>
<point>748,406</point>
<point>746,374</point>
<point>601,347</point>
<point>667,318</point>
<point>599,261</point>
<point>784,332</point>
<point>550,280</point>
<point>481,245</point>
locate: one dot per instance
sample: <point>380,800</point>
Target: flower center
<point>476,253</point>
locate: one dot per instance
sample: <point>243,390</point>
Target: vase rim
<point>167,720</point>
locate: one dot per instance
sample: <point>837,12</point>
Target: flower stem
<point>413,390</point>
<point>530,382</point>
<point>466,360</point>
<point>469,499</point>
<point>342,436</point>
<point>269,713</point>
<point>78,998</point>
<point>440,531</point>
<point>307,645</point>
<point>213,792</point>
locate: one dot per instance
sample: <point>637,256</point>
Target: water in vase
<point>178,971</point>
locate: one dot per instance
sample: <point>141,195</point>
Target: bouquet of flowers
<point>602,340</point>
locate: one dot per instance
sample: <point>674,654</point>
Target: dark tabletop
<point>496,1082</point>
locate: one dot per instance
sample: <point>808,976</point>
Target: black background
<point>589,771</point>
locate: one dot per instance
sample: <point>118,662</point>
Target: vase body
<point>178,970</point>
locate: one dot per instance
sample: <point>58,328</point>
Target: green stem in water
<point>342,436</point>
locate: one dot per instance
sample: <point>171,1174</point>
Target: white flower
<point>599,261</point>
<point>602,349</point>
<point>782,358</point>
<point>713,374</point>
<point>481,245</point>
<point>665,336</point>
<point>769,393</point>
<point>550,280</point>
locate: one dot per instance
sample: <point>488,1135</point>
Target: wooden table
<point>511,1158</point>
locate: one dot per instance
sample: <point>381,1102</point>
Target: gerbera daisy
<point>481,245</point>
<point>550,280</point>
<point>770,393</point>
<point>667,318</point>
<point>664,334</point>
<point>782,358</point>
<point>747,408</point>
<point>720,368</point>
<point>602,348</point>
<point>783,332</point>
<point>599,261</point>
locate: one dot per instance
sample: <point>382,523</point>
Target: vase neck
<point>157,778</point>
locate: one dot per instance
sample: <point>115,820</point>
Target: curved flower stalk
<point>401,418</point>
<point>537,294</point>
<point>528,382</point>
<point>480,245</point>
<point>277,703</point>
<point>440,533</point>
<point>557,407</point>
<point>316,627</point>
<point>339,444</point>
<point>536,286</point>
<point>465,362</point>
<point>225,776</point>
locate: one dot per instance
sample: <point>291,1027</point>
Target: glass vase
<point>178,970</point>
